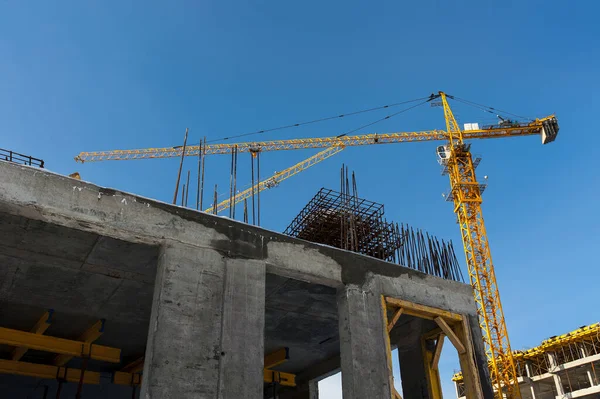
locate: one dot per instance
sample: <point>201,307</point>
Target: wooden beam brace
<point>40,327</point>
<point>437,352</point>
<point>134,367</point>
<point>277,357</point>
<point>89,336</point>
<point>122,378</point>
<point>460,348</point>
<point>396,393</point>
<point>433,334</point>
<point>47,371</point>
<point>285,379</point>
<point>59,345</point>
<point>50,372</point>
<point>422,311</point>
<point>395,318</point>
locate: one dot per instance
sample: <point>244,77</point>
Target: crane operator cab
<point>443,153</point>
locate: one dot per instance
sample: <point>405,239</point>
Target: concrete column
<point>591,378</point>
<point>557,380</point>
<point>412,361</point>
<point>534,388</point>
<point>362,346</point>
<point>206,333</point>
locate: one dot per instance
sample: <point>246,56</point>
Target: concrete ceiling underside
<point>84,277</point>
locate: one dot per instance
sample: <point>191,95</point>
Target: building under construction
<point>108,294</point>
<point>564,366</point>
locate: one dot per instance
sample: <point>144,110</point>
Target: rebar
<point>180,167</point>
<point>346,221</point>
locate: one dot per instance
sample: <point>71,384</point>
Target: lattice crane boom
<point>277,178</point>
<point>525,129</point>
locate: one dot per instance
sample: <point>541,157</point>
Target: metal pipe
<point>60,382</point>
<point>80,386</point>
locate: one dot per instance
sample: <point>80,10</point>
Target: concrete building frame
<point>205,298</point>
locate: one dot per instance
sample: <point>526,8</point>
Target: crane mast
<point>466,195</point>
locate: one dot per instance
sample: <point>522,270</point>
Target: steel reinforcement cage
<point>345,221</point>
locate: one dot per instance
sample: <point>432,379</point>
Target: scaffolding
<point>561,365</point>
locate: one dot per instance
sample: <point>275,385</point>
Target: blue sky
<point>84,76</point>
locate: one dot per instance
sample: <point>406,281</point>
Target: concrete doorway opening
<point>419,334</point>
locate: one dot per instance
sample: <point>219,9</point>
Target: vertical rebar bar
<point>231,185</point>
<point>187,191</point>
<point>252,171</point>
<point>202,183</point>
<point>235,179</point>
<point>180,167</point>
<point>215,201</point>
<point>258,191</point>
<point>199,175</point>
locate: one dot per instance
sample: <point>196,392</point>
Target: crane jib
<point>547,127</point>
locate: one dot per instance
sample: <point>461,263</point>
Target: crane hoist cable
<point>278,177</point>
<point>487,108</point>
<point>327,118</point>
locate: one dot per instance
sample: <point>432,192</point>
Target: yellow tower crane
<point>465,193</point>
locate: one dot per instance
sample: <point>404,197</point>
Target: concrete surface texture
<point>202,297</point>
